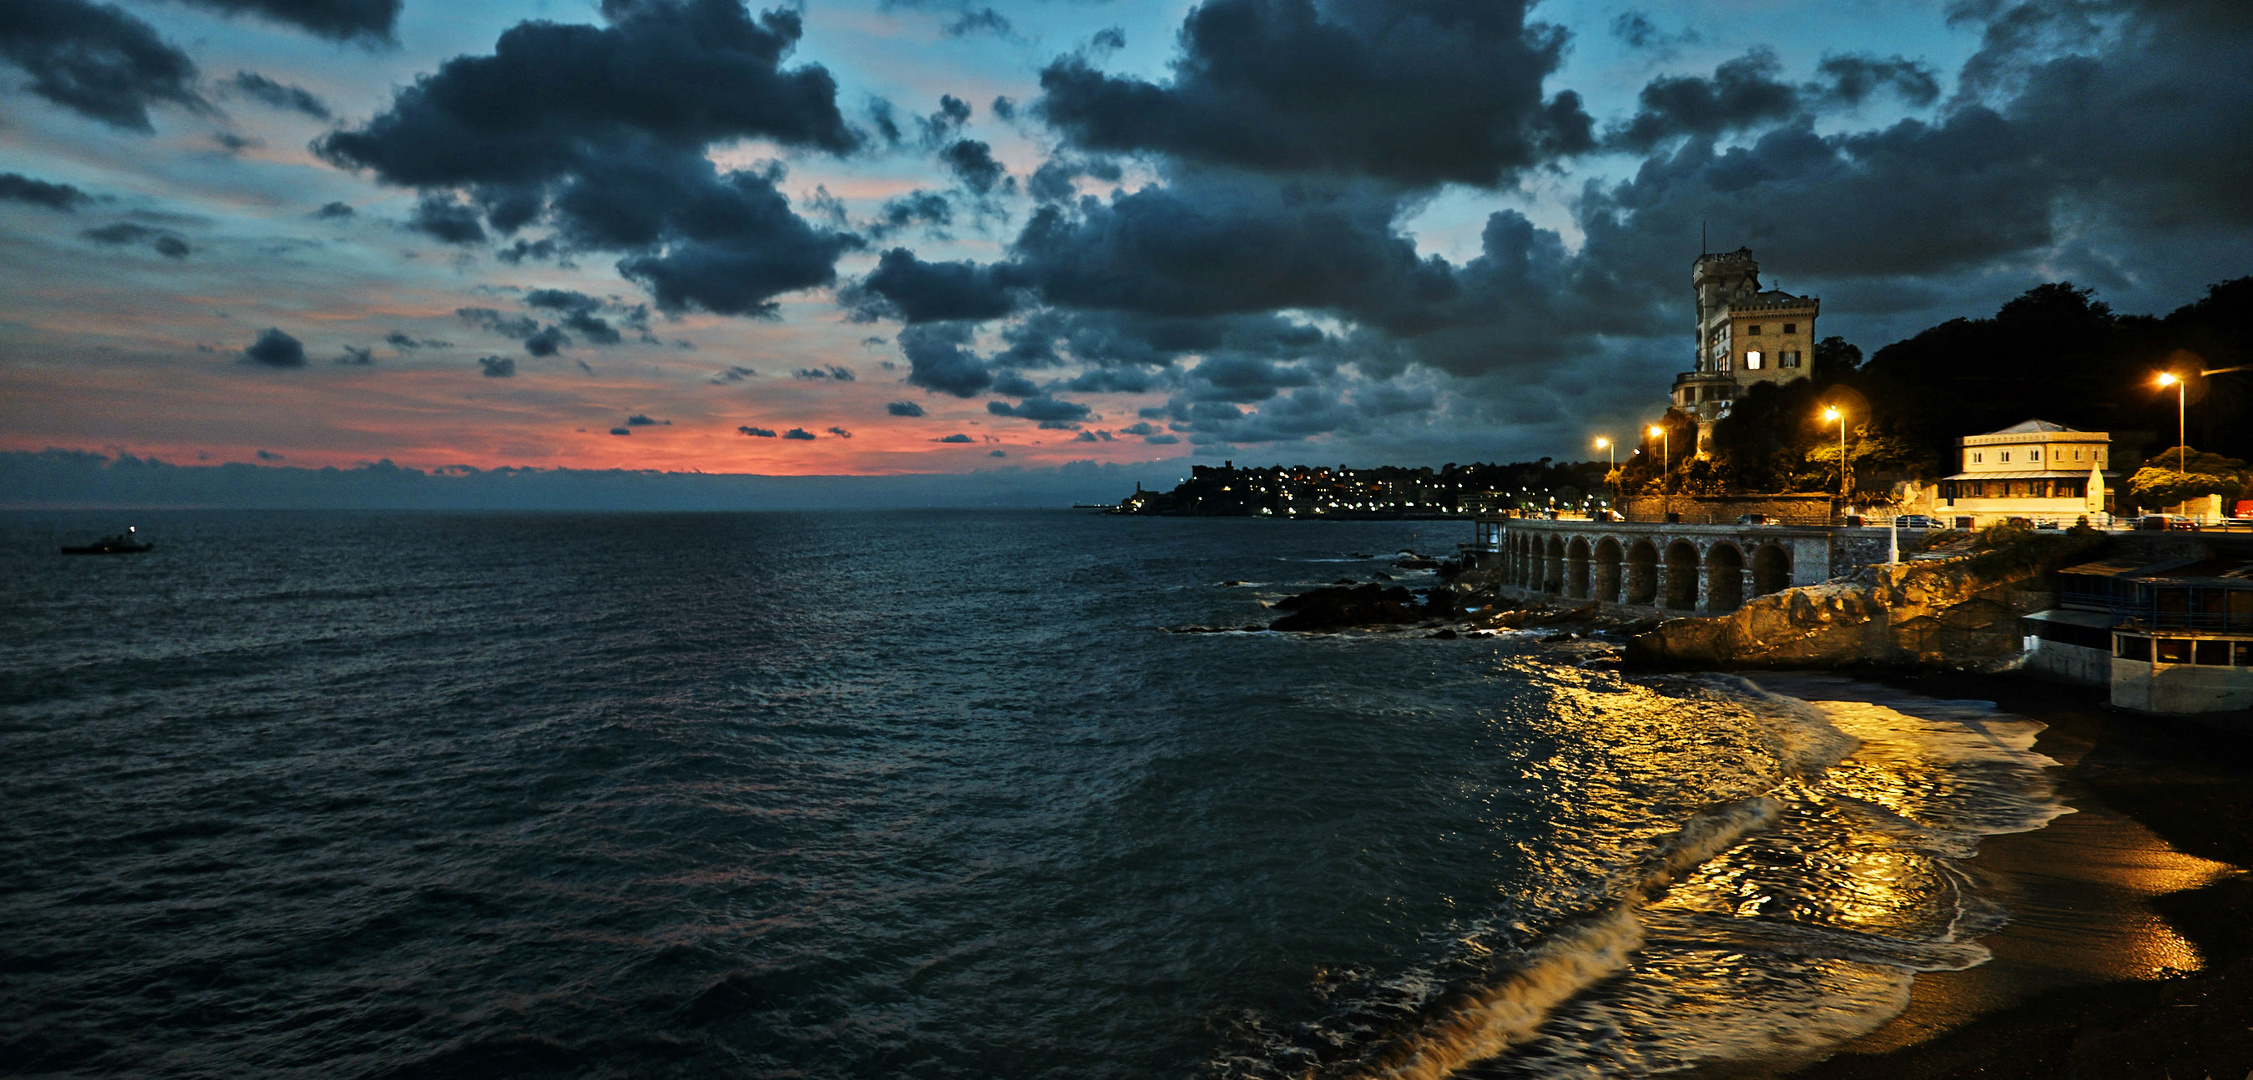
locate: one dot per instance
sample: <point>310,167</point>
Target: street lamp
<point>1835,413</point>
<point>1611,452</point>
<point>2182,451</point>
<point>1667,442</point>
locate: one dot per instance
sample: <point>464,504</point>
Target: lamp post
<point>1666,466</point>
<point>1835,413</point>
<point>2182,451</point>
<point>1611,452</point>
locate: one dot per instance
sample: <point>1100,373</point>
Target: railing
<point>2212,608</point>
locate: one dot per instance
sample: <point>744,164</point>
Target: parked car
<point>1914,521</point>
<point>2166,522</point>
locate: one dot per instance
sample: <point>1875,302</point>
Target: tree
<point>1834,359</point>
<point>2172,478</point>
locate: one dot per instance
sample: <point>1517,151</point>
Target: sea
<point>932,794</point>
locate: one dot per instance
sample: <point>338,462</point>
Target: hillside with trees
<point>2055,352</point>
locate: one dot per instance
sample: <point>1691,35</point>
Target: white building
<point>2036,470</point>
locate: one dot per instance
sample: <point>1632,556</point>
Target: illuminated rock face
<point>1744,335</point>
<point>1931,614</point>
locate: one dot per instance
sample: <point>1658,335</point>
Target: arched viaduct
<point>1700,569</point>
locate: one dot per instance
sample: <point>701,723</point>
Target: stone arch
<point>1576,568</point>
<point>1724,578</point>
<point>1553,567</point>
<point>1607,558</point>
<point>1642,573</point>
<point>1682,576</point>
<point>1771,569</point>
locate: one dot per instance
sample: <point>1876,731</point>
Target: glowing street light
<point>1667,442</point>
<point>2182,451</point>
<point>1833,412</point>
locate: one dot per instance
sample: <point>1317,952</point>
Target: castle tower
<point>1743,335</point>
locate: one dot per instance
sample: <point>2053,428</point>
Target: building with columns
<point>1744,335</point>
<point>2036,469</point>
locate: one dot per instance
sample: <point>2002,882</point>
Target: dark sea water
<point>919,795</point>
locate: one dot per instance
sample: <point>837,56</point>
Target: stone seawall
<point>1936,614</point>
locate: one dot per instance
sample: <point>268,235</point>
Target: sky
<point>1010,238</point>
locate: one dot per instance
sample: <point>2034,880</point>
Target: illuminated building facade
<point>1745,335</point>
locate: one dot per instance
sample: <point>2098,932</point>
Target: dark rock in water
<point>1380,575</point>
<point>1341,581</point>
<point>1231,584</point>
<point>1415,562</point>
<point>1349,605</point>
<point>1361,555</point>
<point>1445,633</point>
<point>1562,636</point>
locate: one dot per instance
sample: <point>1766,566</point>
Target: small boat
<point>125,543</point>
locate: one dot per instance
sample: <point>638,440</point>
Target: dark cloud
<point>547,342</point>
<point>972,163</point>
<point>940,127</point>
<point>641,420</point>
<point>400,340</point>
<point>1092,436</point>
<point>163,242</point>
<point>1746,93</point>
<point>366,21</point>
<point>609,126</point>
<point>1054,180</point>
<point>757,432</point>
<point>881,116</point>
<point>97,61</point>
<point>977,21</point>
<point>279,95</point>
<point>334,211</point>
<point>357,354</point>
<point>955,438</point>
<point>1003,108</point>
<point>496,367</point>
<point>441,217</point>
<point>997,453</point>
<point>734,374</point>
<point>834,371</point>
<point>906,288</point>
<point>1742,93</point>
<point>621,431</point>
<point>926,208</point>
<point>1417,94</point>
<point>1108,39</point>
<point>518,327</point>
<point>798,433</point>
<point>275,349</point>
<point>1853,78</point>
<point>523,249</point>
<point>904,408</point>
<point>269,455</point>
<point>938,360</point>
<point>16,187</point>
<point>233,143</point>
<point>1050,412</point>
<point>1638,31</point>
<point>579,313</point>
<point>840,433</point>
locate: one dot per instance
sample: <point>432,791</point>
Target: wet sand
<point>2130,949</point>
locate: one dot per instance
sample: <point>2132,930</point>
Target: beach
<point>2130,948</point>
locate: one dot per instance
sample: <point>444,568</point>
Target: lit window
<point>1752,359</point>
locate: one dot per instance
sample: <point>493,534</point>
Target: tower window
<point>1791,328</point>
<point>1753,330</point>
<point>1752,359</point>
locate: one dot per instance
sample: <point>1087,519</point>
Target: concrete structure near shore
<point>2168,636</point>
<point>1695,569</point>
